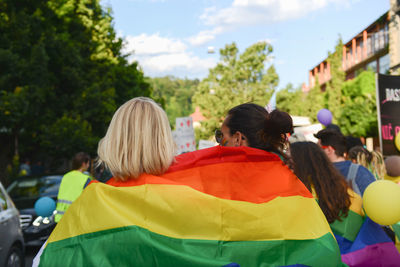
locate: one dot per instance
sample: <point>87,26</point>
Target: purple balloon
<point>324,116</point>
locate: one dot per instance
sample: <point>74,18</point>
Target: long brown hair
<point>315,170</point>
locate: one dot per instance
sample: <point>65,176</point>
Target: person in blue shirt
<point>334,145</point>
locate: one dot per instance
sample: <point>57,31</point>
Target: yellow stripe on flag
<point>356,203</point>
<point>179,211</point>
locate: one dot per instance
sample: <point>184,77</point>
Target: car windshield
<point>34,187</point>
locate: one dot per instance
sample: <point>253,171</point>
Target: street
<point>30,253</point>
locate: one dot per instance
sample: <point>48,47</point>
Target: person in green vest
<point>72,184</point>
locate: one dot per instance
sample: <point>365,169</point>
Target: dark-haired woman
<point>251,125</point>
<point>319,175</point>
<point>258,139</point>
<point>361,241</point>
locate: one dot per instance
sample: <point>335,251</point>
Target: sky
<point>172,37</point>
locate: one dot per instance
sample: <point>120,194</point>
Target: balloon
<point>381,202</point>
<point>397,141</point>
<point>45,206</point>
<point>324,116</point>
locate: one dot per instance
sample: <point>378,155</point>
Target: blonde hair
<point>372,160</point>
<point>138,140</point>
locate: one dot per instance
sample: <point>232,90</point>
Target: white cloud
<point>160,56</point>
<point>153,44</point>
<point>256,12</point>
<point>249,12</point>
<point>179,61</point>
<point>268,40</point>
<point>204,37</point>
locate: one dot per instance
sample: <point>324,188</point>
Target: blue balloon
<point>45,206</point>
<point>324,116</point>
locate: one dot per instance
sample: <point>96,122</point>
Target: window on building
<point>382,39</point>
<point>386,34</point>
<point>384,64</point>
<point>372,66</point>
<point>376,43</point>
<point>369,46</point>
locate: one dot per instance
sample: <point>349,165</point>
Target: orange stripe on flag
<point>265,180</point>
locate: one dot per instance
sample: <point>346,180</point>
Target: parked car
<point>12,247</point>
<point>25,191</point>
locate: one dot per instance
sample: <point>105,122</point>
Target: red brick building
<point>368,49</point>
<point>376,47</point>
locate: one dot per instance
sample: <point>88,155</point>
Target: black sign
<point>388,104</point>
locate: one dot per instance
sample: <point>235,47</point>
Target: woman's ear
<point>236,138</point>
<point>240,139</point>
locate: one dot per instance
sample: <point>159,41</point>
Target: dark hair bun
<point>279,122</point>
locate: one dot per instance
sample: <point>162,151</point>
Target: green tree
<point>237,78</point>
<point>314,101</point>
<point>358,116</point>
<point>176,95</point>
<point>308,104</point>
<point>291,100</point>
<point>351,102</point>
<point>333,94</point>
<point>61,68</point>
<point>296,102</point>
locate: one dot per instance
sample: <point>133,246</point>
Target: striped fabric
<point>362,242</point>
<point>214,207</point>
<point>396,229</point>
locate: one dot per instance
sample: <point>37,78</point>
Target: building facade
<point>394,37</point>
<point>377,47</point>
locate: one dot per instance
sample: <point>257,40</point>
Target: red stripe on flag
<point>221,154</point>
<point>243,174</point>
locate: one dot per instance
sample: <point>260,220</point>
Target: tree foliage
<point>333,93</point>
<point>237,78</point>
<point>314,101</point>
<point>351,102</point>
<point>175,94</point>
<point>358,116</point>
<point>290,100</point>
<point>62,75</point>
<point>298,103</point>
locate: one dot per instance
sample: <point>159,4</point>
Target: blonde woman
<point>138,140</point>
<point>372,160</point>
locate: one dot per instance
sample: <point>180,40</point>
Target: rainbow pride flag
<point>214,207</point>
<point>396,229</point>
<point>363,242</point>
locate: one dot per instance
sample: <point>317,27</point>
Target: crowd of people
<point>248,202</point>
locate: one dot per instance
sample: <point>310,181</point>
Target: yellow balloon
<point>381,202</point>
<point>397,141</point>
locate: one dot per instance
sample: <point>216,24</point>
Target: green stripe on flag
<point>136,246</point>
<point>396,229</point>
<point>349,226</point>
